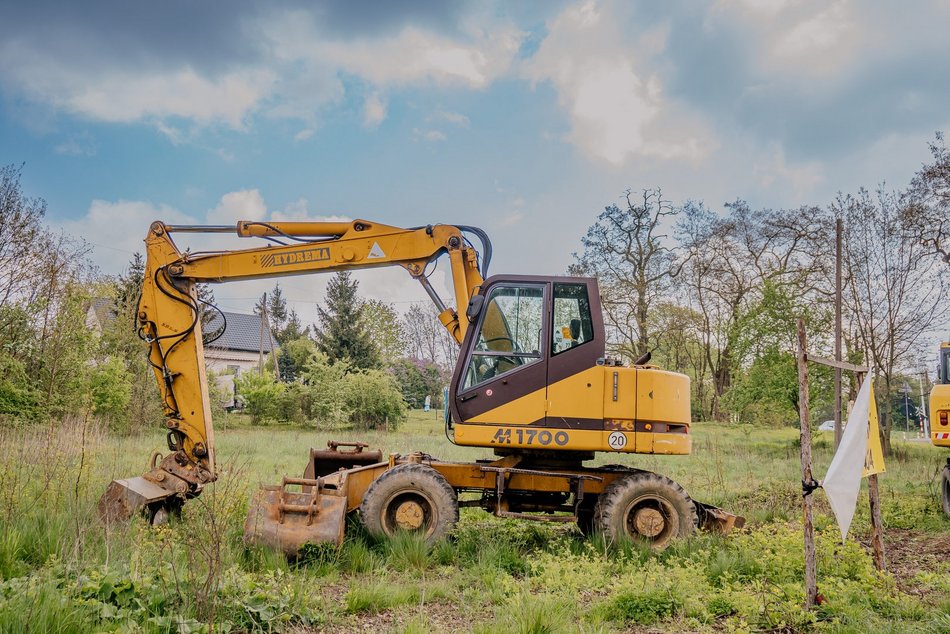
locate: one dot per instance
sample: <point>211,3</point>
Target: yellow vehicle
<point>940,419</point>
<point>532,382</point>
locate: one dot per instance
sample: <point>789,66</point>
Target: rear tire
<point>645,507</point>
<point>410,497</point>
<point>945,490</point>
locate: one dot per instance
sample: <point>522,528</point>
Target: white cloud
<point>455,118</point>
<point>616,109</point>
<point>429,135</point>
<point>117,229</point>
<point>304,134</point>
<point>107,92</point>
<point>246,204</point>
<point>374,110</point>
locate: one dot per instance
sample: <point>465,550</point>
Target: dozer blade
<point>286,520</point>
<point>125,498</point>
<point>715,520</point>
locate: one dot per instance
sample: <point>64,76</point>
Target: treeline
<point>716,295</point>
<point>51,364</point>
<point>710,293</point>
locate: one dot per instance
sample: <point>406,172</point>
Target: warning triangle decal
<point>375,253</point>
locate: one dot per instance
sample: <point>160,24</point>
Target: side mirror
<point>643,360</point>
<point>474,307</point>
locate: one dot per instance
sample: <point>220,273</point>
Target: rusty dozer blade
<point>286,520</point>
<point>326,461</point>
<point>125,498</point>
<point>715,520</point>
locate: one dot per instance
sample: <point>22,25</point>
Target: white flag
<point>842,483</point>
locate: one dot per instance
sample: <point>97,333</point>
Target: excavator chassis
<point>313,510</point>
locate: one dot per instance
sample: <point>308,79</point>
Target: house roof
<point>243,332</point>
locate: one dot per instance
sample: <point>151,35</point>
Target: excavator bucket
<point>715,520</point>
<point>286,520</point>
<point>128,497</point>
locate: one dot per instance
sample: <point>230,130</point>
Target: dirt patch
<point>909,552</point>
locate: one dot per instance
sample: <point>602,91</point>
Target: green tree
<point>342,333</point>
<point>385,330</point>
<point>417,379</point>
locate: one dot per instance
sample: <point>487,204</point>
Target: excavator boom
<point>169,319</point>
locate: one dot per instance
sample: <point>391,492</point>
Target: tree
<point>894,292</point>
<point>626,250</point>
<point>926,216</point>
<point>730,266</point>
<point>385,330</point>
<point>342,333</point>
<point>427,339</point>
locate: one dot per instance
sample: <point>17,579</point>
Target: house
<point>237,350</point>
<point>240,346</point>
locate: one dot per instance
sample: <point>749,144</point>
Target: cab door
<point>501,377</point>
<point>575,379</point>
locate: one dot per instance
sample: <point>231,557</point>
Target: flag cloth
<point>874,463</point>
<point>842,483</point>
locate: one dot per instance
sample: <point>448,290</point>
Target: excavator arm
<point>169,320</point>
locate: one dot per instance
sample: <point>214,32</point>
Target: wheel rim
<point>409,511</point>
<point>651,519</point>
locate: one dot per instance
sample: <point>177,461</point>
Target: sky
<point>524,118</point>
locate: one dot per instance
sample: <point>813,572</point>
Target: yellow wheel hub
<point>649,522</point>
<point>409,516</point>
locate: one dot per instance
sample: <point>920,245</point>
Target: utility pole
<point>839,230</point>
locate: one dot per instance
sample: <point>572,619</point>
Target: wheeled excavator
<point>532,383</point>
<point>940,419</point>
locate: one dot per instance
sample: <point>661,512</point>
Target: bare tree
<point>926,216</point>
<point>894,293</point>
<point>734,265</point>
<point>427,339</point>
<point>628,251</point>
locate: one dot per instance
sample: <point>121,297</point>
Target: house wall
<point>220,361</point>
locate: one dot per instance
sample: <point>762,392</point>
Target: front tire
<point>945,490</point>
<point>645,507</point>
<point>410,497</point>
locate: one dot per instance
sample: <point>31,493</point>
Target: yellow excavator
<point>532,382</point>
<point>940,419</point>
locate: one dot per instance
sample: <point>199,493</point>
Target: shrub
<point>110,387</point>
<point>640,608</point>
<point>261,395</point>
<point>374,400</point>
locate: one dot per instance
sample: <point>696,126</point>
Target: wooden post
<point>874,501</point>
<point>877,524</point>
<point>808,526</point>
<point>839,230</point>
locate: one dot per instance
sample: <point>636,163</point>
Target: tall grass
<point>63,571</point>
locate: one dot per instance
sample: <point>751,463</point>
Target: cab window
<point>509,335</point>
<point>572,321</point>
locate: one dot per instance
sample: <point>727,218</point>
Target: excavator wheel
<point>945,489</point>
<point>647,507</point>
<point>410,497</point>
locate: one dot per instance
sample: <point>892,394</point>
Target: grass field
<point>63,572</point>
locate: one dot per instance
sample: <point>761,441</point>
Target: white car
<point>828,425</point>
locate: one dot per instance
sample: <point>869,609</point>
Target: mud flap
<point>125,498</point>
<point>715,520</point>
<point>286,520</point>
